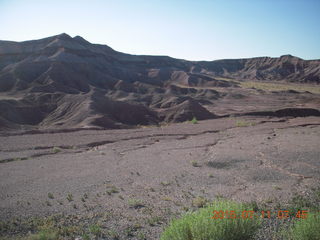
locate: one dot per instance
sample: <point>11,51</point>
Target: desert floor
<point>136,180</point>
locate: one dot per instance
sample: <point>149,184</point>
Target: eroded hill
<point>65,82</point>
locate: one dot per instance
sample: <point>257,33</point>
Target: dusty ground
<point>129,183</point>
<point>130,177</point>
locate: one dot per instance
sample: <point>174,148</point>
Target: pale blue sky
<point>193,30</point>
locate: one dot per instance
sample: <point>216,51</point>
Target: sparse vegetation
<point>135,203</point>
<point>50,195</point>
<point>194,163</point>
<point>276,187</point>
<point>199,202</point>
<point>166,198</point>
<point>242,123</point>
<point>154,220</point>
<point>194,120</point>
<point>141,236</point>
<point>271,86</point>
<point>112,189</point>
<point>95,230</point>
<point>70,197</point>
<point>56,150</point>
<point>85,236</point>
<point>46,234</point>
<point>113,234</point>
<point>165,183</point>
<point>197,223</point>
<point>304,229</point>
<point>299,202</point>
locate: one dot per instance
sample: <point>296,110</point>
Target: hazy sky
<point>189,29</point>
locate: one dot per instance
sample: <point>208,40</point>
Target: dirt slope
<point>65,82</point>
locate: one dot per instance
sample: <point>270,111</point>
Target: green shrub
<point>305,229</point>
<point>194,120</point>
<point>50,195</point>
<point>200,225</point>
<point>56,150</point>
<point>194,163</point>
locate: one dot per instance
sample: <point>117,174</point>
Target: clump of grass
<point>68,231</point>
<point>299,203</point>
<point>166,198</point>
<point>200,225</point>
<point>85,236</point>
<point>241,123</point>
<point>276,187</point>
<point>70,197</point>
<point>56,149</point>
<point>154,220</point>
<point>46,234</point>
<point>50,195</point>
<point>141,236</point>
<point>199,202</point>
<point>194,163</point>
<point>165,183</point>
<point>135,203</point>
<point>194,120</point>
<point>304,229</point>
<point>95,230</point>
<point>129,231</point>
<point>113,189</point>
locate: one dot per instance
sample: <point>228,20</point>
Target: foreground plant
<point>200,225</point>
<point>304,229</point>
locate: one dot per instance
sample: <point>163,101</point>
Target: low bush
<point>304,229</point>
<point>199,225</point>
